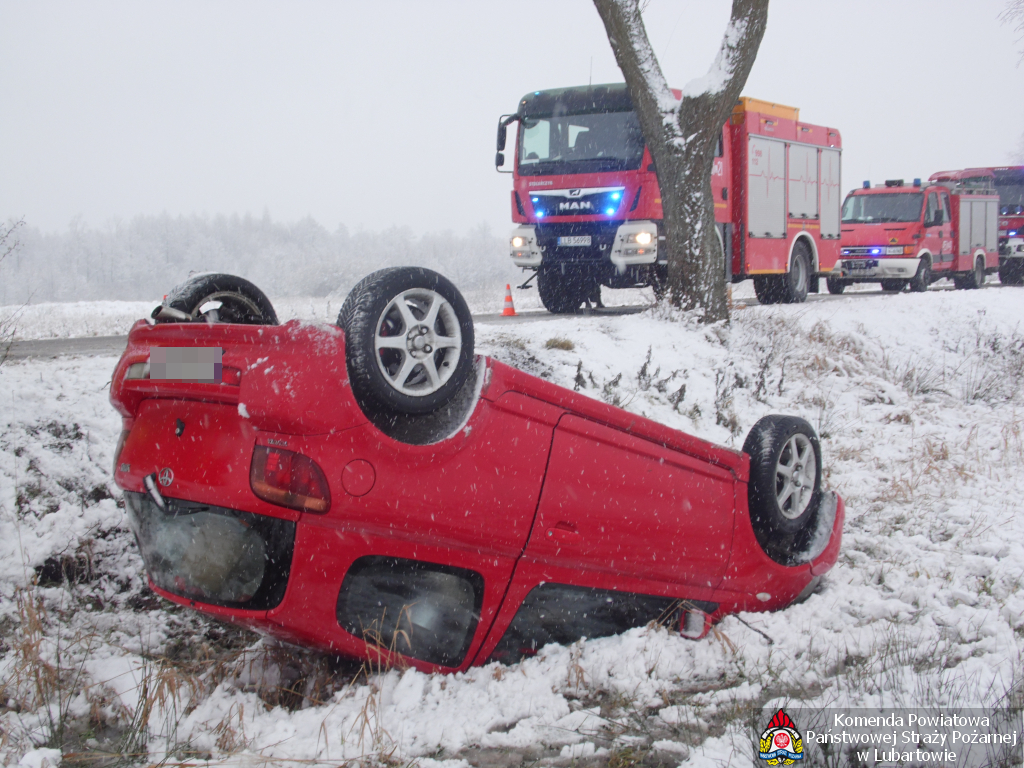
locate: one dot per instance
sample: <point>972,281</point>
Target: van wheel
<point>784,492</point>
<point>923,278</point>
<point>797,282</point>
<point>408,340</point>
<point>216,298</point>
<point>973,279</point>
<point>1011,272</point>
<point>835,285</point>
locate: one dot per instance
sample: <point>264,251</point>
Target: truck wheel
<point>797,282</point>
<point>893,286</point>
<point>920,282</point>
<point>561,294</point>
<point>784,492</point>
<point>216,298</point>
<point>835,285</point>
<point>408,340</point>
<point>766,289</point>
<point>1011,272</point>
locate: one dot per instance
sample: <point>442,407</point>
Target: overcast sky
<point>372,114</point>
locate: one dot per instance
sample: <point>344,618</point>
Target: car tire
<point>835,285</point>
<point>427,369</point>
<point>236,300</point>
<point>923,278</point>
<point>784,491</point>
<point>1012,272</point>
<point>893,286</point>
<point>561,294</point>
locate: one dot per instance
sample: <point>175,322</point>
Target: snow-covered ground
<point>918,402</point>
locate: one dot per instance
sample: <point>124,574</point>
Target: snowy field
<point>917,399</point>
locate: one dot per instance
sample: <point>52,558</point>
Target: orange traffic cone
<point>509,310</point>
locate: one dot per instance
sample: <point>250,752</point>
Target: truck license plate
<point>575,240</point>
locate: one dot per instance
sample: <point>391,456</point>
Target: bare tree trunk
<point>682,136</point>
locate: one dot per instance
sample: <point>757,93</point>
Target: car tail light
<point>289,479</point>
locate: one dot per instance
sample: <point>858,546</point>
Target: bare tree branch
<point>1013,14</point>
<point>682,135</point>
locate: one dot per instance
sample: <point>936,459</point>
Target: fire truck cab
<point>1009,182</point>
<point>588,207</point>
<point>900,235</point>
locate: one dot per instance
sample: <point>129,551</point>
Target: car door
<point>932,225</point>
<point>625,530</point>
<point>945,253</point>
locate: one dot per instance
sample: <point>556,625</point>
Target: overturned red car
<point>374,489</point>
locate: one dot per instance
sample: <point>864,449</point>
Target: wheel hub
<point>420,341</point>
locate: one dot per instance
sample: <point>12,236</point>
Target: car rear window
<point>213,554</point>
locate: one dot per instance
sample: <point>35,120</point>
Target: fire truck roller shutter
<point>991,229</point>
<point>831,201</point>
<point>803,181</point>
<point>766,187</point>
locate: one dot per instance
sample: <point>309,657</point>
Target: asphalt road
<point>94,346</point>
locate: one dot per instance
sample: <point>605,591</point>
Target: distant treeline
<point>144,257</point>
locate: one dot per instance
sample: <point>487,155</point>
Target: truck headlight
<point>643,238</point>
<point>517,242</point>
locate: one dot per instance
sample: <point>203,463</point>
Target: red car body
<point>539,486</point>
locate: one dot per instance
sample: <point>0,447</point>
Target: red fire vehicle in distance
<point>903,236</point>
<point>586,198</point>
<point>1010,186</point>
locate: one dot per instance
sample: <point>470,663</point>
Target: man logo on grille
<point>575,192</point>
<point>166,477</point>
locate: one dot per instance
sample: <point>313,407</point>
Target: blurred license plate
<point>199,364</point>
<point>861,264</point>
<point>575,240</point>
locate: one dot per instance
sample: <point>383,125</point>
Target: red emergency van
<point>586,200</point>
<point>912,235</point>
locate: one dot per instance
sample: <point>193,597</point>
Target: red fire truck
<point>1010,186</point>
<point>586,199</point>
<point>903,236</point>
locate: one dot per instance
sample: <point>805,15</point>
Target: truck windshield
<point>874,209</point>
<point>601,141</point>
<point>1011,198</point>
